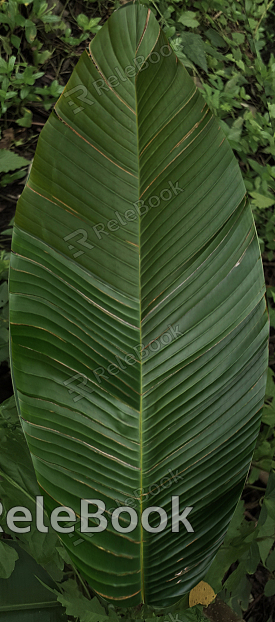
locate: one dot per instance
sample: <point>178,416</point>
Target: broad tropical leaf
<point>138,319</point>
<point>23,598</point>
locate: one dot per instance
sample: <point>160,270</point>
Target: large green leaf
<point>18,487</point>
<point>134,234</point>
<point>22,597</point>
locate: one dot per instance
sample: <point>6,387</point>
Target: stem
<point>262,17</point>
<point>59,67</point>
<point>7,198</point>
<point>81,580</point>
<point>157,9</point>
<point>65,5</point>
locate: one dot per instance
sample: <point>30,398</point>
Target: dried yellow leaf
<point>201,594</point>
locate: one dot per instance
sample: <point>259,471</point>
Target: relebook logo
<point>63,514</point>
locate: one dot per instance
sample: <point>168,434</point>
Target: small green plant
<point>10,161</point>
<point>33,30</point>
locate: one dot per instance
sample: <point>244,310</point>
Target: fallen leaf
<point>201,594</point>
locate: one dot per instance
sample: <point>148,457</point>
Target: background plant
<point>227,46</point>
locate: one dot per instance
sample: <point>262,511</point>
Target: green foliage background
<point>228,47</point>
